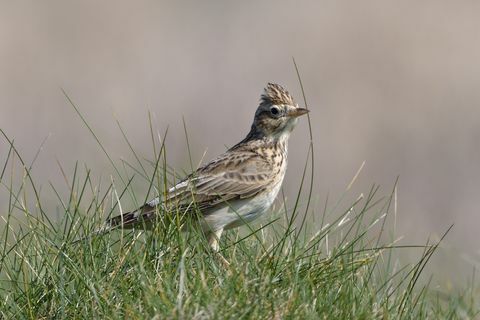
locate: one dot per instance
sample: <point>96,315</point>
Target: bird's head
<point>277,114</point>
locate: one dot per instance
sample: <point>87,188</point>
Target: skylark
<point>239,185</point>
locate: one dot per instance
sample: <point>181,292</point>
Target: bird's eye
<point>274,111</point>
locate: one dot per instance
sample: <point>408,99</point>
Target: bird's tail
<point>142,218</point>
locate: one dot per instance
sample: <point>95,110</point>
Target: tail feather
<point>143,216</point>
<point>125,220</point>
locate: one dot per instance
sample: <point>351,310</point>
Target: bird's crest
<point>276,94</point>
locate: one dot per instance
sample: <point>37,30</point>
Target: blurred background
<point>394,84</point>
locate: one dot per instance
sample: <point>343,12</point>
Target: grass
<point>336,266</point>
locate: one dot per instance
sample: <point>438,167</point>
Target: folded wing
<point>229,177</point>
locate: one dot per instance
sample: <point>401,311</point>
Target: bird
<point>236,187</point>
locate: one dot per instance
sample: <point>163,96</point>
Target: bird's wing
<point>230,176</point>
<point>233,175</point>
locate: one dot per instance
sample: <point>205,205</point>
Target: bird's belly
<point>239,212</point>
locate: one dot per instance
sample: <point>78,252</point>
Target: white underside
<point>239,212</point>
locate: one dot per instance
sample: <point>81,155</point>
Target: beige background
<point>394,83</point>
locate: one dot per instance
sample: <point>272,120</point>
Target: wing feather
<point>230,176</point>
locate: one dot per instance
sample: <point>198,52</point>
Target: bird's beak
<point>297,112</point>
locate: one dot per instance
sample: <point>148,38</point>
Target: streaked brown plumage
<point>240,184</point>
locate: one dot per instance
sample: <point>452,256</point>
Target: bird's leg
<point>213,241</point>
<point>214,238</point>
